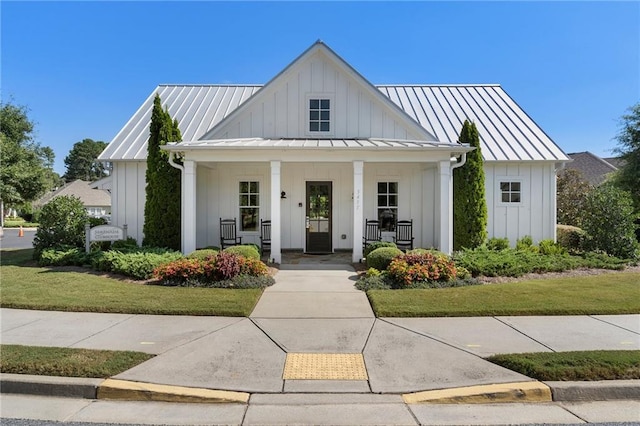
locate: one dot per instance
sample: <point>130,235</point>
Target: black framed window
<point>319,115</point>
<point>249,193</point>
<point>388,205</point>
<point>511,192</point>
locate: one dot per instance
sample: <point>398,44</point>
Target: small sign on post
<point>103,233</point>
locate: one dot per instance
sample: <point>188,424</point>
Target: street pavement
<point>9,238</point>
<point>320,312</point>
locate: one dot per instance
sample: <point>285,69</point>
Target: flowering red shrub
<point>224,266</point>
<point>227,265</point>
<point>181,270</point>
<point>416,267</point>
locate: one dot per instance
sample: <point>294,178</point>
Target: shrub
<point>524,243</point>
<point>412,268</point>
<point>244,281</point>
<point>373,272</point>
<point>253,267</point>
<point>248,251</point>
<point>129,244</point>
<point>380,258</point>
<point>570,237</point>
<point>138,264</point>
<point>208,272</point>
<point>376,245</point>
<point>609,222</point>
<point>227,265</point>
<point>62,222</point>
<point>379,282</point>
<point>189,272</point>
<point>550,247</point>
<point>497,244</point>
<point>62,256</point>
<point>203,254</point>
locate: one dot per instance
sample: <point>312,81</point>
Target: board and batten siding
<point>217,196</point>
<point>128,196</point>
<point>281,110</point>
<point>535,215</point>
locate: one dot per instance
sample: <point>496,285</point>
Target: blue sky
<point>83,68</point>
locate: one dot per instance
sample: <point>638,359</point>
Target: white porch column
<point>276,245</point>
<point>189,207</point>
<point>445,190</point>
<point>358,194</point>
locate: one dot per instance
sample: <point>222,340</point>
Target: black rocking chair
<point>372,232</point>
<point>404,234</point>
<point>228,236</point>
<point>265,235</point>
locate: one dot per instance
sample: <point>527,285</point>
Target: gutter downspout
<point>182,215</point>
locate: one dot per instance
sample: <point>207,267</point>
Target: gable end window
<point>511,192</point>
<point>319,115</point>
<point>249,193</point>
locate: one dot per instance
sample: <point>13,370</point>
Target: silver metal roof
<point>367,143</point>
<point>506,131</point>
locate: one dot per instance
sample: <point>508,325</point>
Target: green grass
<point>19,223</point>
<point>601,294</point>
<point>583,365</point>
<point>67,362</point>
<point>26,286</point>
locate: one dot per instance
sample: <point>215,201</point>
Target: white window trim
<point>238,207</point>
<point>332,114</point>
<point>523,192</point>
<point>394,179</point>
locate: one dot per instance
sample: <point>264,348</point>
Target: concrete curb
<point>483,394</point>
<point>135,391</point>
<point>595,391</point>
<point>71,387</point>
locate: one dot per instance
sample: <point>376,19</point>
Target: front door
<point>318,221</point>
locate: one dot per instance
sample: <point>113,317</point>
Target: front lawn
<point>617,293</point>
<point>568,366</point>
<point>67,362</point>
<point>26,286</point>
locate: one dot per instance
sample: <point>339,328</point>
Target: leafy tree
<point>82,161</point>
<point>162,223</point>
<point>572,192</point>
<point>629,150</point>
<point>26,172</point>
<point>608,220</point>
<point>469,203</point>
<point>62,223</point>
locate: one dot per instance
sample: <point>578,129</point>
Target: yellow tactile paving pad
<point>324,367</point>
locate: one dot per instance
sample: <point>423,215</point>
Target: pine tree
<point>162,224</point>
<point>469,203</point>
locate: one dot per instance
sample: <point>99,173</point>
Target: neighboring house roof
<point>506,131</point>
<point>78,188</point>
<point>616,162</point>
<point>593,168</point>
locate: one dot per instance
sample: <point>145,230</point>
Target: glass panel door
<point>318,220</point>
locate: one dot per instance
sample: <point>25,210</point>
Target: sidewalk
<point>314,333</point>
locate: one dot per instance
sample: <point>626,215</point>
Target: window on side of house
<point>320,115</point>
<point>511,191</point>
<point>388,205</point>
<point>249,201</point>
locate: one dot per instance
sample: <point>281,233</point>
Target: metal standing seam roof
<point>506,131</point>
<point>374,143</point>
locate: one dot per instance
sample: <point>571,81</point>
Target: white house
<point>318,149</point>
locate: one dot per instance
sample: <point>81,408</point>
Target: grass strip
<point>573,366</point>
<point>25,286</point>
<point>606,294</point>
<point>67,362</point>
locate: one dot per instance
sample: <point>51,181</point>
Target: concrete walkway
<point>319,312</point>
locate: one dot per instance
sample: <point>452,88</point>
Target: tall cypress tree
<point>469,203</point>
<point>162,223</point>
